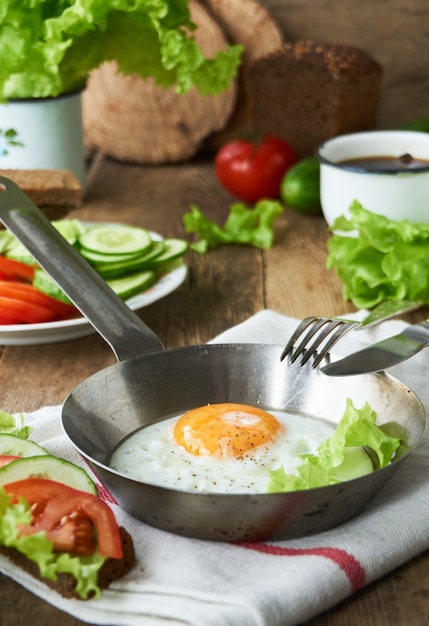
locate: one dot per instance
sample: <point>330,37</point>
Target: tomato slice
<point>31,295</point>
<point>16,311</point>
<point>7,318</point>
<point>16,270</point>
<point>75,521</point>
<point>5,459</point>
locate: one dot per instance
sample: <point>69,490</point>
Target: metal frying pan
<point>149,383</point>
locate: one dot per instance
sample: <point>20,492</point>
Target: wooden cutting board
<point>132,119</point>
<point>248,23</point>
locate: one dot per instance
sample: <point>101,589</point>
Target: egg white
<point>151,455</point>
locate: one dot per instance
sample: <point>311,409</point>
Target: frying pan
<point>148,384</point>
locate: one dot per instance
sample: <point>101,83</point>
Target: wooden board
<point>248,23</point>
<point>133,119</point>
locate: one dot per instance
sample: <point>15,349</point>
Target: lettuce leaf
<point>341,456</point>
<point>49,48</point>
<point>251,226</point>
<point>38,548</point>
<point>10,426</point>
<point>379,259</point>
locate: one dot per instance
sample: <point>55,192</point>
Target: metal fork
<point>315,332</point>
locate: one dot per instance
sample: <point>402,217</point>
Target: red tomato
<point>252,172</point>
<point>5,459</point>
<point>31,295</point>
<point>15,311</point>
<point>15,270</point>
<point>76,522</point>
<point>6,318</point>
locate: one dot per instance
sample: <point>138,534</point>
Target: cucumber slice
<point>45,283</point>
<point>20,253</point>
<point>6,240</point>
<point>51,468</point>
<point>95,258</point>
<point>115,268</point>
<point>116,239</point>
<point>17,446</point>
<point>70,229</point>
<point>128,286</point>
<point>174,248</point>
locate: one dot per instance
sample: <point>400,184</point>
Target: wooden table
<point>222,288</point>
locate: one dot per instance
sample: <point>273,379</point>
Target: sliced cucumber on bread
<point>50,468</point>
<point>12,445</point>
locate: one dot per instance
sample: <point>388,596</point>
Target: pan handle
<point>119,326</point>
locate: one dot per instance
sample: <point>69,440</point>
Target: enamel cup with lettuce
<point>48,50</point>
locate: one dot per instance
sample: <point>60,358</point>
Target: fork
<point>315,332</point>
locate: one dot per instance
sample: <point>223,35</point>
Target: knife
<point>388,309</point>
<point>383,354</point>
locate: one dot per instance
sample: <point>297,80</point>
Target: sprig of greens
<point>342,456</point>
<point>251,226</point>
<point>9,425</point>
<point>49,48</point>
<point>379,259</point>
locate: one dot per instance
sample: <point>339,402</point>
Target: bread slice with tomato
<point>54,525</point>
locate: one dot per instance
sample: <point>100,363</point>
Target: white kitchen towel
<point>281,583</point>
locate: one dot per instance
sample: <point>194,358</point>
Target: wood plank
<point>292,285</point>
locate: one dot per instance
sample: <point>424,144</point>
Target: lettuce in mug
<point>49,48</point>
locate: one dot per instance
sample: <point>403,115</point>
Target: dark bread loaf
<point>111,570</point>
<point>55,192</point>
<point>307,92</point>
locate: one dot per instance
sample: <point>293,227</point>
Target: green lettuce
<point>379,259</point>
<point>251,226</point>
<point>342,456</point>
<point>39,549</point>
<point>48,48</point>
<point>9,425</point>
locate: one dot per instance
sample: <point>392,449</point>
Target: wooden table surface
<point>222,288</point>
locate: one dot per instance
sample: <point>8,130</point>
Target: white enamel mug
<point>397,194</point>
<point>51,133</point>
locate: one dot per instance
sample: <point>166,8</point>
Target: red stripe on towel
<point>103,492</point>
<point>347,562</point>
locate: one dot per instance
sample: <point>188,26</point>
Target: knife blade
<point>388,309</point>
<point>383,354</point>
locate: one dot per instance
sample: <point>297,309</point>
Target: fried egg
<point>219,448</point>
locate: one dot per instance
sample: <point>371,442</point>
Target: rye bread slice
<point>112,569</point>
<point>308,92</point>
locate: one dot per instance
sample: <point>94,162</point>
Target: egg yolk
<point>225,430</point>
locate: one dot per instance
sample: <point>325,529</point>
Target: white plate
<point>52,332</point>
